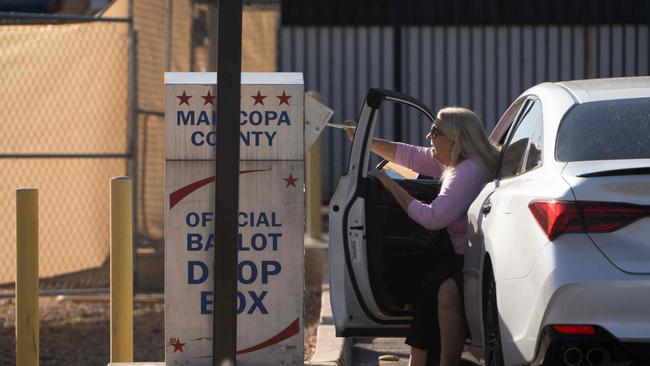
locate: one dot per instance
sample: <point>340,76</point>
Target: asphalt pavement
<point>368,351</point>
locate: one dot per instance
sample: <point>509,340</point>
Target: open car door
<point>377,254</point>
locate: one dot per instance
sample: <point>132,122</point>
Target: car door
<point>376,251</point>
<point>506,225</point>
<point>475,254</point>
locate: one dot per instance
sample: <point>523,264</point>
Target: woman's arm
<point>402,197</point>
<point>384,148</point>
<point>459,189</point>
<point>419,159</point>
<point>457,193</point>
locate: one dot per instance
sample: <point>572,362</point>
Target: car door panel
<point>397,248</point>
<point>374,245</point>
<point>388,259</point>
<point>479,216</point>
<point>474,262</point>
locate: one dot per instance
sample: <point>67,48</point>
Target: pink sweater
<point>460,186</point>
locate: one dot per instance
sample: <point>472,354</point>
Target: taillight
<point>575,329</point>
<point>560,217</point>
<point>605,217</point>
<point>557,217</point>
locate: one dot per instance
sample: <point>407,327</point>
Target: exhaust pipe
<point>572,356</point>
<point>596,356</point>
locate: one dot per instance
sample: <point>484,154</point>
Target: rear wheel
<point>491,334</point>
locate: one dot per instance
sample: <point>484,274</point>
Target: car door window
<point>506,123</point>
<point>522,152</point>
<point>414,127</point>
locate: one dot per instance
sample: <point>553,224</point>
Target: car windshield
<point>605,130</point>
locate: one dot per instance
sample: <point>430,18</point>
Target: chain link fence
<point>83,101</point>
<point>181,36</point>
<point>66,131</point>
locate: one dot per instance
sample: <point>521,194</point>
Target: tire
<point>491,333</point>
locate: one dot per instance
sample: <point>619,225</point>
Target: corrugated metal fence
<point>479,67</point>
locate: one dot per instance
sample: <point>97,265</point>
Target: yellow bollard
<point>314,184</point>
<point>121,270</point>
<point>27,316</point>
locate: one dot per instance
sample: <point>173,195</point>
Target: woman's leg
<point>418,357</point>
<point>452,323</point>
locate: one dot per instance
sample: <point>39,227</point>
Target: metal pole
<point>213,23</point>
<point>170,26</point>
<point>224,316</point>
<point>397,67</point>
<point>314,185</point>
<point>121,277</point>
<point>62,291</point>
<point>27,315</point>
<point>49,18</point>
<point>133,115</point>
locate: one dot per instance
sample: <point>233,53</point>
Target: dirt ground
<point>74,330</point>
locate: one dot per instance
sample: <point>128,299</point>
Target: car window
<point>415,126</point>
<point>522,153</point>
<point>505,125</point>
<point>605,130</point>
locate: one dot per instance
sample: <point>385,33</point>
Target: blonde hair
<point>465,128</point>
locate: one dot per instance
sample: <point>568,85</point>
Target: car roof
<point>592,90</point>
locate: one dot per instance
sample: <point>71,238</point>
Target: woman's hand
<point>349,131</point>
<point>384,148</point>
<point>383,178</point>
<point>402,197</point>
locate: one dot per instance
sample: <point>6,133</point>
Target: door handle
<point>487,207</point>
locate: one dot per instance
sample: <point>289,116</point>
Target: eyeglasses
<point>434,132</point>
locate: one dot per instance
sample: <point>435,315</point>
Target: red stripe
<point>289,331</point>
<point>178,195</point>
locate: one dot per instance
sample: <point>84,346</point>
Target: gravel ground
<point>74,330</point>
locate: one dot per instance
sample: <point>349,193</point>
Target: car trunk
<point>626,183</point>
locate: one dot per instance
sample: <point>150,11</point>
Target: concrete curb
<point>330,350</point>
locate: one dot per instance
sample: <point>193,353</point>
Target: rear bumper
<point>571,282</point>
<point>596,349</point>
<point>620,307</point>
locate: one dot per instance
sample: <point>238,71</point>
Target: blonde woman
<point>465,160</point>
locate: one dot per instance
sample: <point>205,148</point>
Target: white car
<point>558,266</point>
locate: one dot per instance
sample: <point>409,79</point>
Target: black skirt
<point>424,332</point>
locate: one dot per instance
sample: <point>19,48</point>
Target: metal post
<point>170,26</point>
<point>133,114</point>
<point>27,315</point>
<point>224,318</point>
<point>213,24</point>
<point>314,185</point>
<point>397,66</point>
<point>121,277</point>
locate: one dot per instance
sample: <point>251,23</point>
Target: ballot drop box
<point>271,217</point>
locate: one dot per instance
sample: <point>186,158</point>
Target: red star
<point>184,98</point>
<point>208,98</point>
<point>259,98</point>
<point>291,181</point>
<point>178,346</point>
<point>284,98</point>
